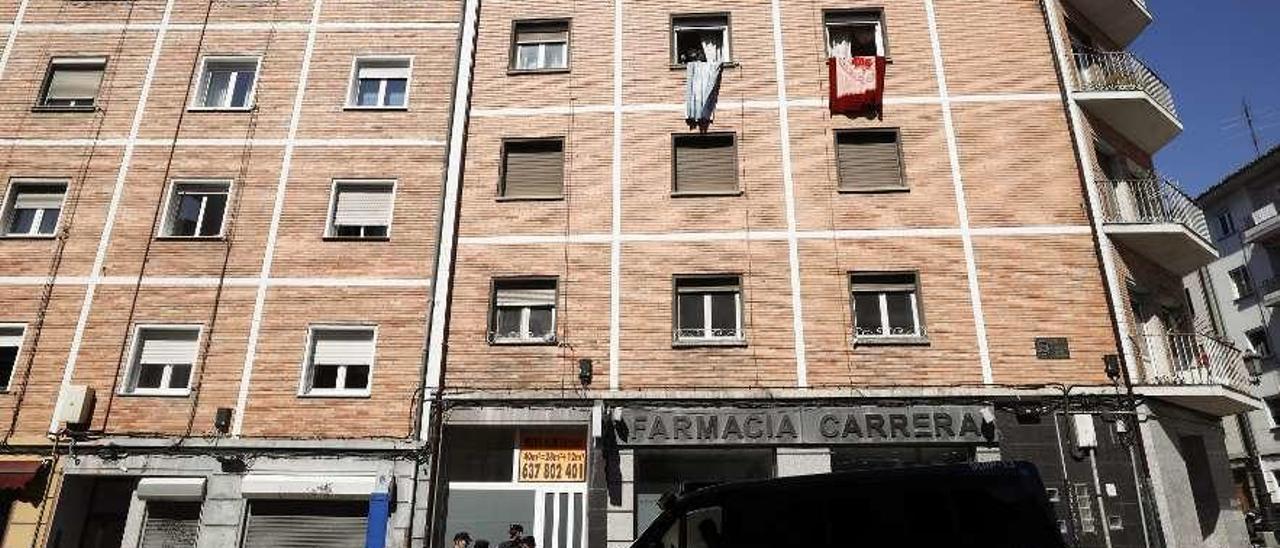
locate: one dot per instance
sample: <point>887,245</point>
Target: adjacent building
<point>302,271</point>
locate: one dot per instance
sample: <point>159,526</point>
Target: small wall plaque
<point>1052,348</point>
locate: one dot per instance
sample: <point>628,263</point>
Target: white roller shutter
<point>168,346</point>
<point>383,70</point>
<point>38,200</point>
<point>343,347</point>
<point>10,336</point>
<point>363,205</point>
<point>526,297</point>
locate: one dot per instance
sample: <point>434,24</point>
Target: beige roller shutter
<point>869,160</point>
<point>363,204</point>
<point>706,163</point>
<point>533,169</point>
<point>75,80</point>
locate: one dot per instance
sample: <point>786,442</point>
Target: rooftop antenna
<point>1253,132</point>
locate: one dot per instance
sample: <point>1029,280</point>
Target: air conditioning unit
<point>75,405</point>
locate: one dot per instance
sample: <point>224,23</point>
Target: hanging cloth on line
<point>856,85</point>
<point>702,88</point>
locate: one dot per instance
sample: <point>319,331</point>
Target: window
<point>524,311</point>
<point>227,83</point>
<point>705,163</point>
<point>700,38</point>
<point>540,45</point>
<point>886,306</point>
<point>869,160</point>
<point>1226,224</point>
<point>196,209</point>
<point>1052,493</point>
<point>33,208</point>
<point>855,34</point>
<point>340,361</point>
<point>1115,522</point>
<point>361,209</point>
<point>1273,407</point>
<point>381,82</point>
<point>709,309</point>
<point>10,348</point>
<point>532,168</point>
<point>171,524</point>
<point>1084,508</point>
<point>1241,284</point>
<point>72,83</point>
<point>163,357</point>
<point>1258,341</point>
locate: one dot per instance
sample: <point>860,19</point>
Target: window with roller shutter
<point>163,357</point>
<point>339,361</point>
<point>532,169</point>
<point>380,82</point>
<point>33,208</point>
<point>540,46</point>
<point>306,524</point>
<point>705,164</point>
<point>523,311</point>
<point>171,524</point>
<point>72,83</point>
<point>869,160</point>
<point>361,209</point>
<point>10,347</point>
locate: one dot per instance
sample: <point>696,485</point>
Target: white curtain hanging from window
<point>701,92</point>
<point>841,42</point>
<point>713,46</point>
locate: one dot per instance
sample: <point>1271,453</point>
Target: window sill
<point>320,394</point>
<point>875,190</point>
<point>356,108</point>
<point>729,343</point>
<point>891,341</point>
<point>512,342</point>
<point>530,198</point>
<point>218,238</point>
<point>725,65</point>
<point>156,394</point>
<point>28,237</point>
<point>357,238</point>
<point>520,72</point>
<point>55,109</point>
<point>705,194</point>
<point>220,109</point>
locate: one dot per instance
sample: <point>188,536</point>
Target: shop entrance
<point>674,471</point>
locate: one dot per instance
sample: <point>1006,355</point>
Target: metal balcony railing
<point>1150,201</point>
<point>1121,71</point>
<point>1193,359</point>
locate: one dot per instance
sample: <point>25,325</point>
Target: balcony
<point>1158,221</point>
<point>1197,371</point>
<point>1270,290</point>
<point>1264,227</point>
<point>1118,89</point>
<point>1121,20</point>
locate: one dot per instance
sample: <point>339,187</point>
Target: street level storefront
<point>635,452</point>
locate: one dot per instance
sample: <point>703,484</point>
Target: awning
<point>16,474</point>
<point>178,489</point>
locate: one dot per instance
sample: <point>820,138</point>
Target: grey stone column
<point>621,517</point>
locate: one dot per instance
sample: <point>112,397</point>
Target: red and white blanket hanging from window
<point>857,85</point>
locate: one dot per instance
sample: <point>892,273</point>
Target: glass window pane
<point>325,377</point>
<point>375,232</point>
<point>8,359</point>
<point>244,83</point>
<point>216,89</point>
<point>49,222</point>
<point>357,377</point>
<point>346,231</point>
<point>901,320</point>
<point>395,92</point>
<point>555,55</point>
<point>487,514</point>
<point>368,92</point>
<point>181,376</point>
<point>149,375</point>
<point>22,220</point>
<point>540,323</point>
<point>866,312</point>
<point>508,323</point>
<point>527,56</point>
<point>724,314</point>
<point>186,215</point>
<point>214,208</point>
<point>691,315</point>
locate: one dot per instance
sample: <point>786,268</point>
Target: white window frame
<point>17,356</point>
<point>726,36</point>
<point>526,337</point>
<point>331,227</point>
<point>128,388</point>
<point>856,18</point>
<point>1236,291</point>
<point>166,227</point>
<point>43,100</point>
<point>1266,341</point>
<point>11,195</point>
<point>308,370</point>
<point>197,94</point>
<point>916,319</point>
<point>1226,223</point>
<point>353,89</point>
<point>708,333</point>
<point>541,45</point>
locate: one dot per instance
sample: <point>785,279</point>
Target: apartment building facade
<point>1241,212</point>
<point>380,273</point>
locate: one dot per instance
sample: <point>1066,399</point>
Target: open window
<point>196,209</point>
<point>10,348</point>
<point>33,208</point>
<point>700,38</point>
<point>72,83</point>
<point>339,361</point>
<point>855,34</point>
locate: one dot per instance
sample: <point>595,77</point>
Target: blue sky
<point>1213,53</point>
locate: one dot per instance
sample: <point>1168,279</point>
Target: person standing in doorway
<point>514,533</point>
<point>462,540</point>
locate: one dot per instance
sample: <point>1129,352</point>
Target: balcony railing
<point>1122,71</point>
<point>1192,359</point>
<point>1150,201</point>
